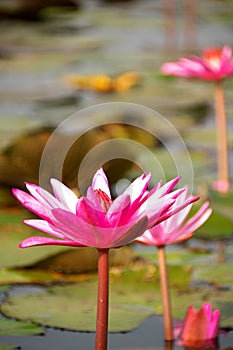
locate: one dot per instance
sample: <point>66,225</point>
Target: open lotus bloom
<point>96,220</point>
<point>200,328</point>
<point>216,64</point>
<point>176,228</point>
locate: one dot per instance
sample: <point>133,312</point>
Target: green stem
<point>167,314</point>
<point>101,339</point>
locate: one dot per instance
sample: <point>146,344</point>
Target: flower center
<point>104,199</point>
<point>213,57</point>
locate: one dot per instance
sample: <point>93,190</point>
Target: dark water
<point>147,337</point>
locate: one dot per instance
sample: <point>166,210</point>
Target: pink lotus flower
<point>175,229</point>
<point>216,64</point>
<point>96,220</point>
<point>200,328</point>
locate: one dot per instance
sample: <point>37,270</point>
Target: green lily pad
<point>222,203</point>
<point>218,226</point>
<point>127,307</point>
<point>8,347</point>
<point>12,232</point>
<point>133,296</point>
<point>216,274</point>
<point>13,327</point>
<point>30,276</point>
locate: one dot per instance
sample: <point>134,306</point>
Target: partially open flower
<point>200,328</point>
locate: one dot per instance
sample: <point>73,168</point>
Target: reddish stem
<point>101,339</point>
<point>167,314</point>
<point>221,126</point>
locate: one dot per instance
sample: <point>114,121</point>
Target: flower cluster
<point>155,217</point>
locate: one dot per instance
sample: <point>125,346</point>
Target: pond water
<point>147,337</point>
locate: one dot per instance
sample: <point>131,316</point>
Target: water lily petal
<point>134,231</point>
<point>100,182</point>
<point>40,240</point>
<point>67,197</point>
<point>30,203</point>
<point>44,226</point>
<point>44,197</point>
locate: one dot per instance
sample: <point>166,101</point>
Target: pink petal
<point>134,231</point>
<point>74,227</point>
<point>198,219</point>
<point>44,226</point>
<point>39,241</point>
<point>165,189</point>
<point>67,197</point>
<point>177,208</point>
<point>120,211</point>
<point>30,203</point>
<point>100,182</point>
<point>213,320</point>
<point>155,209</point>
<point>93,199</point>
<point>138,187</point>
<point>194,325</point>
<point>89,214</point>
<point>43,196</point>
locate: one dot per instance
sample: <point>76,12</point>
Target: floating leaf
<point>8,347</point>
<point>24,276</point>
<point>73,307</point>
<point>12,327</point>
<point>216,274</point>
<point>12,232</point>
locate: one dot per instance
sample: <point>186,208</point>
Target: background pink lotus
<point>216,64</point>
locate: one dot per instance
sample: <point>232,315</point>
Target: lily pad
<point>13,327</point>
<point>8,347</point>
<point>28,276</point>
<point>216,274</point>
<point>12,232</point>
<point>74,307</point>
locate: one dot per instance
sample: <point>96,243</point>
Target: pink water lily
<point>96,220</point>
<point>200,327</point>
<point>216,64</point>
<point>176,229</point>
<point>173,230</point>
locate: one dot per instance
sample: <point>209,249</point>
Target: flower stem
<point>221,126</point>
<point>168,333</point>
<point>101,339</point>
